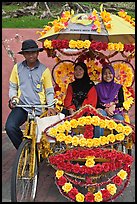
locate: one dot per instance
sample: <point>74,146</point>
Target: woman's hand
<point>71,111</point>
<point>110,110</point>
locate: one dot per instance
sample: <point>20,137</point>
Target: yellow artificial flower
<point>80,197</point>
<point>88,120</point>
<point>72,44</point>
<point>59,173</point>
<point>127,130</point>
<point>82,142</point>
<point>94,12</point>
<point>98,196</point>
<point>60,137</point>
<point>104,140</point>
<point>73,123</point>
<point>90,161</point>
<point>75,141</point>
<point>112,188</point>
<point>95,120</point>
<point>102,123</point>
<point>79,44</point>
<point>96,142</point>
<point>111,124</point>
<point>90,143</point>
<point>122,174</point>
<point>110,46</point>
<point>68,139</point>
<point>119,127</point>
<point>48,44</point>
<point>111,138</point>
<point>60,128</point>
<point>120,136</point>
<point>82,121</point>
<point>86,44</point>
<point>53,132</point>
<point>67,187</point>
<point>67,125</point>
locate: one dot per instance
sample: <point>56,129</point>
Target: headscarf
<point>107,91</point>
<point>81,86</point>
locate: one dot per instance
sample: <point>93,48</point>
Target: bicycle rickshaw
<point>88,169</point>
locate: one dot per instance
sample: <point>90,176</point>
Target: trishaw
<point>88,169</point>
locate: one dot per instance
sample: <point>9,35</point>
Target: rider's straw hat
<point>30,46</point>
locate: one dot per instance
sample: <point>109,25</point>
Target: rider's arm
<point>13,83</point>
<point>48,86</point>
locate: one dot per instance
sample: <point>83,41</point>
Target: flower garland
<point>86,44</point>
<point>127,18</point>
<point>112,160</point>
<point>106,19</point>
<point>62,132</point>
<point>105,194</point>
<point>64,182</point>
<point>57,24</point>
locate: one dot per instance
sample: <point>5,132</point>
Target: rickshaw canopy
<point>103,26</point>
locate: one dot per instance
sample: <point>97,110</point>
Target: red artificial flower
<point>61,181</point>
<point>117,180</point>
<point>118,164</point>
<point>82,170</point>
<point>131,90</point>
<point>76,168</point>
<point>105,193</point>
<point>106,167</point>
<point>68,166</point>
<point>72,193</point>
<point>88,180</point>
<point>75,154</point>
<point>89,197</point>
<point>97,169</point>
<point>129,48</point>
<point>65,44</point>
<point>128,159</point>
<point>127,168</point>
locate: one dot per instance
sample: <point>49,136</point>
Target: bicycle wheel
<point>23,181</point>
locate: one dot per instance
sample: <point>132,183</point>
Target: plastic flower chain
<point>97,24</point>
<point>86,44</point>
<point>99,196</point>
<point>106,19</point>
<point>58,132</point>
<point>113,161</point>
<point>128,18</point>
<point>57,24</point>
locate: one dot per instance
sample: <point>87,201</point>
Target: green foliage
<point>36,22</point>
<point>24,22</point>
<point>11,7</point>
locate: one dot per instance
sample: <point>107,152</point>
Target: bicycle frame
<point>30,133</point>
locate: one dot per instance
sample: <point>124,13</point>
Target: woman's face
<point>107,75</point>
<point>78,72</point>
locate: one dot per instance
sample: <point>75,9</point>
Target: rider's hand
<point>13,102</point>
<point>51,111</point>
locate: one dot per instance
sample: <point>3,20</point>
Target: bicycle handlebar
<point>37,105</point>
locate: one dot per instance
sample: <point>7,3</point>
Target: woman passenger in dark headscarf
<point>81,91</point>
